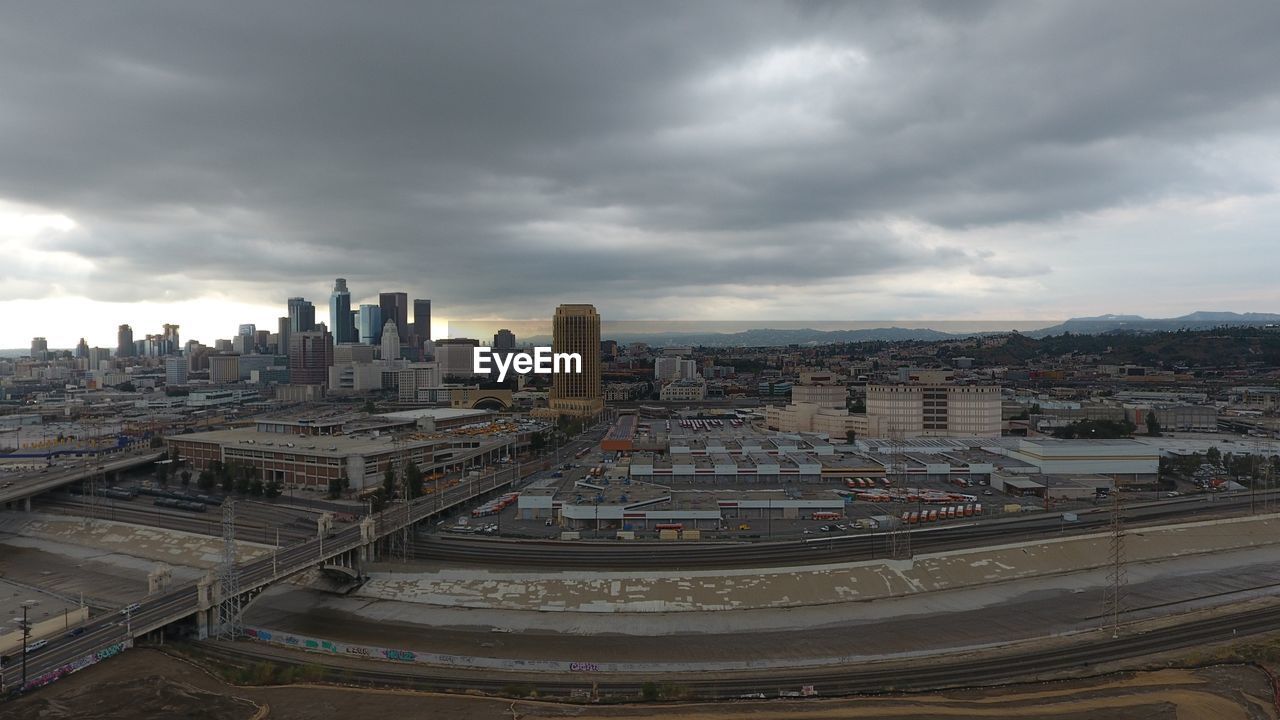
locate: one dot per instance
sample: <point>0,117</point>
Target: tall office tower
<point>224,368</point>
<point>310,356</point>
<point>395,306</point>
<point>370,324</point>
<point>82,350</point>
<point>302,315</point>
<point>39,348</point>
<point>504,344</point>
<point>456,356</point>
<point>97,356</point>
<point>262,339</point>
<point>340,313</point>
<point>390,341</point>
<point>246,342</point>
<point>171,341</point>
<point>124,341</point>
<point>175,370</point>
<point>421,325</point>
<point>282,336</point>
<point>576,329</point>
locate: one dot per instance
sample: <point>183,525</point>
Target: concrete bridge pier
<point>368,542</point>
<point>205,606</point>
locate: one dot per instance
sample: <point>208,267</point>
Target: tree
<point>162,474</point>
<point>242,484</point>
<point>850,436</point>
<point>537,442</point>
<point>205,481</point>
<point>335,488</point>
<point>412,480</point>
<point>1096,430</point>
<point>271,489</point>
<point>1153,424</point>
<point>389,482</point>
<point>368,408</point>
<point>186,478</point>
<point>257,487</point>
<point>1213,456</point>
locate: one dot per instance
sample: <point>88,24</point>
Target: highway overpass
<point>20,488</point>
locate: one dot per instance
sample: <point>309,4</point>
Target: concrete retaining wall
<point>743,589</point>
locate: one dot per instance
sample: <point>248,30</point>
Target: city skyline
<point>999,160</point>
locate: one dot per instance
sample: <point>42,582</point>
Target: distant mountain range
<point>1200,320</point>
<point>767,337</point>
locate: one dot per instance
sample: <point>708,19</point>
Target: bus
<point>826,515</point>
<point>669,526</point>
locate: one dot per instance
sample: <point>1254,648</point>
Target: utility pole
<point>1114,596</point>
<point>26,637</point>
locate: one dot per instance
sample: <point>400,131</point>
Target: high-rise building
<point>171,342</point>
<point>421,324</point>
<point>340,313</point>
<point>262,339</point>
<point>390,341</point>
<point>82,349</point>
<point>310,355</point>
<point>282,336</point>
<point>247,329</point>
<point>39,348</point>
<point>504,339</point>
<point>933,410</point>
<point>224,368</point>
<point>456,356</point>
<point>302,315</point>
<point>97,356</point>
<point>175,370</point>
<point>124,341</point>
<point>576,329</point>
<point>369,324</point>
<point>395,306</point>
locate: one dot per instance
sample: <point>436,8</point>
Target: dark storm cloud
<point>492,154</point>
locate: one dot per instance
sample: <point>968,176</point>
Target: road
<point>30,484</point>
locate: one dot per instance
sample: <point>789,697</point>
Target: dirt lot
<point>148,684</point>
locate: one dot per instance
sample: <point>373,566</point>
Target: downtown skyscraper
<point>340,323</point>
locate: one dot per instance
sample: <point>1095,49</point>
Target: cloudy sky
<point>199,162</point>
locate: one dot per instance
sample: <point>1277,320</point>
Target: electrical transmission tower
<point>899,532</point>
<point>1113,600</point>
<point>229,626</point>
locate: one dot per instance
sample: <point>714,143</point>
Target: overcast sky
<point>199,162</point>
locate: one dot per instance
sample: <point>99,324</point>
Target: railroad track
<point>933,673</point>
<point>259,529</point>
<point>628,555</point>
